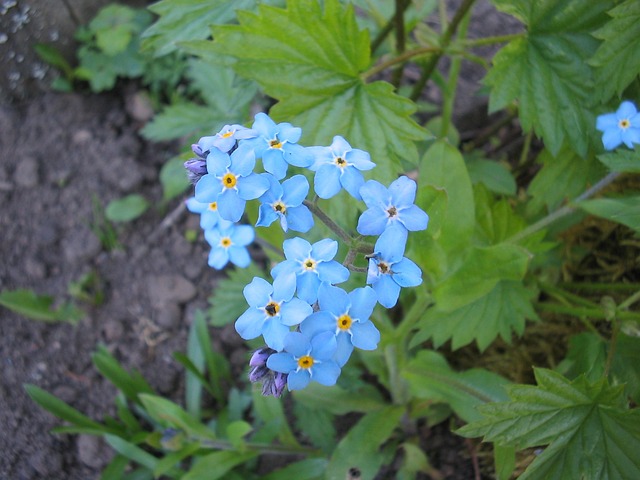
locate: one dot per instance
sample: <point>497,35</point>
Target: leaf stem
<point>403,57</point>
<point>563,211</point>
<point>324,218</point>
<point>612,346</point>
<point>400,40</point>
<point>630,301</point>
<point>382,34</point>
<point>479,42</point>
<point>579,312</point>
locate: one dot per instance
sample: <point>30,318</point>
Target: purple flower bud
<point>197,149</point>
<point>259,357</point>
<point>258,374</point>
<point>273,383</point>
<point>196,169</point>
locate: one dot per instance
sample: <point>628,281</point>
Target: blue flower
<point>209,216</point>
<point>389,207</point>
<point>338,166</point>
<point>389,270</point>
<point>224,140</point>
<point>285,202</point>
<point>306,359</point>
<point>272,310</point>
<point>309,265</point>
<point>277,145</point>
<point>230,182</point>
<point>623,126</point>
<point>347,316</point>
<point>229,244</point>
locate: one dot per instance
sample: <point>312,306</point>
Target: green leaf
<point>173,459</point>
<point>115,469</point>
<point>183,20</point>
<point>132,452</point>
<point>39,307</point>
<point>502,311</point>
<point>359,447</point>
<point>431,378</point>
<point>546,70</point>
<point>173,177</point>
<point>130,384</point>
<point>339,401</point>
<point>180,119</point>
<point>236,432</point>
<point>311,61</point>
<point>169,414</point>
<point>227,301</point>
<point>216,465</point>
<point>126,208</point>
<point>310,469</point>
<point>270,409</point>
<point>622,210</point>
<point>617,59</point>
<point>54,57</point>
<point>622,160</point>
<point>494,175</point>
<point>315,424</point>
<point>589,430</point>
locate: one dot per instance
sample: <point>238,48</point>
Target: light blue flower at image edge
<point>622,126</point>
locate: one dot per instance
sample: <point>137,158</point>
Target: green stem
<point>612,347</point>
<point>445,40</point>
<point>558,292</point>
<point>563,211</point>
<point>598,287</point>
<point>399,59</point>
<point>479,42</point>
<point>324,218</point>
<point>400,40</point>
<point>586,312</point>
<point>630,301</point>
<point>397,385</point>
<point>382,34</point>
<point>526,148</point>
<point>261,448</point>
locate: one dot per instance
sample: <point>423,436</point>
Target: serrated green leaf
<point>311,60</point>
<point>622,210</point>
<point>546,70</point>
<point>171,415</point>
<point>431,378</point>
<point>622,160</point>
<point>181,119</point>
<point>227,301</point>
<point>39,307</point>
<point>359,447</point>
<point>617,59</point>
<point>590,431</point>
<point>126,208</point>
<point>503,311</point>
<point>494,175</point>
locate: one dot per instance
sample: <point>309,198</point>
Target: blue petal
<point>230,205</point>
<point>243,161</point>
<point>340,146</point>
<point>274,163</point>
<point>298,380</point>
<point>207,189</point>
<point>607,121</point>
<point>403,191</point>
<point>333,299</point>
<point>326,373</point>
<point>388,291</point>
<point>344,348</point>
<point>326,182</point>
<point>324,250</point>
<point>365,335</point>
<point>373,274</point>
<point>239,256</point>
<point>218,258</point>
<point>243,235</point>
<point>282,362</point>
<point>274,333</point>
<point>295,311</point>
<point>209,219</point>
<point>297,155</point>
<point>275,189</point>
<point>295,190</point>
<point>323,345</point>
<point>413,218</point>
<point>360,159</point>
<point>264,125</point>
<point>266,215</point>
<point>300,218</point>
<point>332,272</point>
<point>372,221</point>
<point>317,323</point>
<point>297,344</point>
<point>363,301</point>
<point>285,268</point>
<point>195,206</point>
<point>321,156</point>
<point>283,222</point>
<point>283,288</point>
<point>289,133</point>
<point>296,249</point>
<point>626,110</point>
<point>352,180</point>
<point>610,139</point>
<point>217,162</point>
<point>252,186</point>
<point>631,136</point>
<point>308,283</point>
<point>375,194</point>
<point>258,292</point>
<point>250,323</point>
<point>391,243</point>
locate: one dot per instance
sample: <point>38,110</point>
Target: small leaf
<point>54,57</point>
<point>494,175</point>
<point>180,119</point>
<point>173,177</point>
<point>216,465</point>
<point>236,432</point>
<point>130,384</point>
<point>39,307</point>
<point>126,208</point>
<point>132,452</point>
<point>622,160</point>
<point>172,415</point>
<point>622,210</point>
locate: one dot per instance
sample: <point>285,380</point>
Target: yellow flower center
<point>275,143</point>
<point>272,308</point>
<point>624,124</point>
<point>280,207</point>
<point>229,180</point>
<point>305,362</point>
<point>341,162</point>
<point>228,134</point>
<point>309,265</point>
<point>225,242</point>
<point>213,206</point>
<point>344,322</point>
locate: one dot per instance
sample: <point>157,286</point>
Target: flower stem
<point>324,218</point>
<point>382,34</point>
<point>612,346</point>
<point>563,211</point>
<point>479,42</point>
<point>403,57</point>
<point>273,449</point>
<point>630,301</point>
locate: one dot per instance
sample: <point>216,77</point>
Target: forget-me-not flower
<point>272,310</point>
<point>277,145</point>
<point>230,182</point>
<point>339,166</point>
<point>284,202</point>
<point>309,265</point>
<point>306,359</point>
<point>390,206</point>
<point>224,140</point>
<point>623,126</point>
<point>388,269</point>
<point>209,216</point>
<point>229,243</point>
<point>347,316</point>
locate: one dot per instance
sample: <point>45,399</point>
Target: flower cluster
<point>310,325</point>
<point>622,126</point>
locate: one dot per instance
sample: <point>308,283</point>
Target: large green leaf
<point>589,430</point>
<point>311,60</point>
<point>622,160</point>
<point>621,210</point>
<point>617,60</point>
<point>546,70</point>
<point>502,311</point>
<point>431,378</point>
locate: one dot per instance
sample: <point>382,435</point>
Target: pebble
<point>26,173</point>
<point>168,316</point>
<point>91,450</point>
<point>139,107</point>
<point>81,136</point>
<point>80,245</point>
<point>166,289</point>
